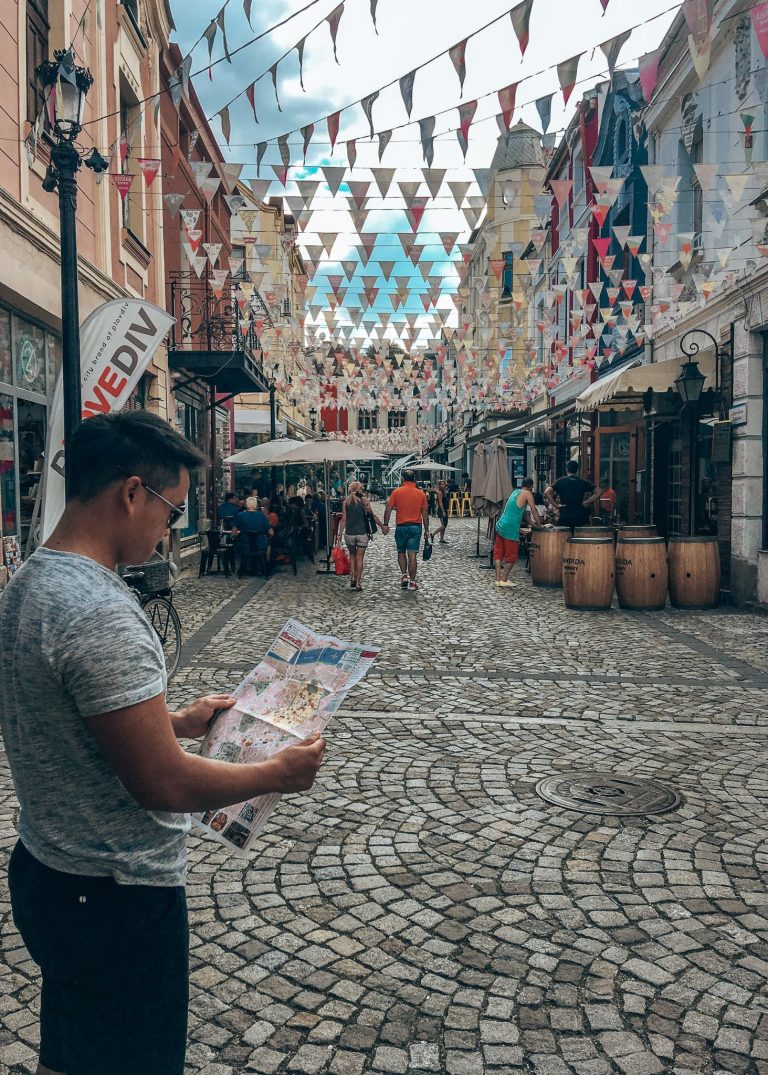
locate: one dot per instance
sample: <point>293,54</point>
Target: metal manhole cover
<point>607,793</point>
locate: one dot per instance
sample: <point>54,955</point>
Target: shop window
<point>37,51</point>
<point>7,469</point>
<point>396,419</point>
<point>6,363</point>
<point>507,274</point>
<point>31,434</point>
<point>53,360</point>
<point>29,356</point>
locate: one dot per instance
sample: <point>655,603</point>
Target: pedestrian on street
<point>228,510</point>
<point>506,545</point>
<point>572,496</point>
<point>356,528</point>
<point>410,507</point>
<point>252,532</point>
<point>442,509</point>
<point>97,875</point>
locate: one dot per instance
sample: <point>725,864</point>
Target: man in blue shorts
<point>410,505</point>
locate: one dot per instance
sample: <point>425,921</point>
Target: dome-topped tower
<point>519,148</point>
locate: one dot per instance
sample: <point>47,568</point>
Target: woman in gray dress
<point>355,526</point>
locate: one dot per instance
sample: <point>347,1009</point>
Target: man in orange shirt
<point>410,505</point>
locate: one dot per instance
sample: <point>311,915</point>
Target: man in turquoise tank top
<point>507,543</point>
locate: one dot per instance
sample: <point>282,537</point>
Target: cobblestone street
<point>422,909</point>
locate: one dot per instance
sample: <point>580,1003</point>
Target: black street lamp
<point>690,385</point>
<point>64,88</point>
<point>313,418</point>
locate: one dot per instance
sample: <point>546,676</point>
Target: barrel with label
<point>641,573</point>
<point>638,531</point>
<point>547,547</point>
<point>588,570</point>
<point>694,572</point>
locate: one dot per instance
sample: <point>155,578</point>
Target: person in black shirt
<point>571,496</point>
<point>229,510</point>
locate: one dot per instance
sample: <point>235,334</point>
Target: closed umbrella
<point>498,485</point>
<point>479,474</point>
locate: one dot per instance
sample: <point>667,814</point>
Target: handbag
<point>341,562</point>
<point>370,524</point>
<point>428,549</point>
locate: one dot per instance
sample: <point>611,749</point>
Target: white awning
<point>250,420</point>
<point>636,379</point>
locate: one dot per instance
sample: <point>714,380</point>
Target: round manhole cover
<point>607,793</point>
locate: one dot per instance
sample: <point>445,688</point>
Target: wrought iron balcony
<point>214,336</point>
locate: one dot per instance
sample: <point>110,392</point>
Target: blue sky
<point>410,32</point>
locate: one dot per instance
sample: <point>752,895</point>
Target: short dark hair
<point>409,476</point>
<point>108,446</point>
<point>231,496</point>
<point>572,466</point>
<point>527,483</point>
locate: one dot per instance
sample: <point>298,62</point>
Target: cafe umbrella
<point>323,452</point>
<point>479,474</point>
<point>497,488</point>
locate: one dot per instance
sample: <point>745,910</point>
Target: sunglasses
<point>176,510</point>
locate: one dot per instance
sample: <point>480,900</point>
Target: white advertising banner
<point>117,342</point>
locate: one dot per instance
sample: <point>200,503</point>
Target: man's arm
<point>533,509</point>
<point>388,509</point>
<point>595,496</point>
<point>425,516</point>
<point>140,745</point>
<point>549,496</point>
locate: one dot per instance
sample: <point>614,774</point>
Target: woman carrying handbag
<point>358,525</point>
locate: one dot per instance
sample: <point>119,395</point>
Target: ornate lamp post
<point>313,418</point>
<point>65,87</point>
<point>690,385</point>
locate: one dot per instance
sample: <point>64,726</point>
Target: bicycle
<point>151,582</point>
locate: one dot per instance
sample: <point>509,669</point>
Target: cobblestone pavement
<point>422,909</point>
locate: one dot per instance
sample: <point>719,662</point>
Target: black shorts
<point>115,969</point>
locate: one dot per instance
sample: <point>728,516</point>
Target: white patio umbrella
<point>325,452</point>
<point>429,464</point>
<point>261,454</point>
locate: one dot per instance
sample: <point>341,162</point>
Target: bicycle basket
<point>156,576</point>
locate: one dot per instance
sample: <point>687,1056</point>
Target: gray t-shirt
<point>75,643</point>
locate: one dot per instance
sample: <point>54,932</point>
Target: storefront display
<point>30,357</point>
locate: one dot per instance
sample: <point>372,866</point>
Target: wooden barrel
<point>547,547</point>
<point>694,572</point>
<point>639,531</point>
<point>588,570</point>
<point>641,572</point>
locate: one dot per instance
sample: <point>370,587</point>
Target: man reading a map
<point>97,876</point>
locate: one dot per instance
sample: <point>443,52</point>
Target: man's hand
<point>384,529</point>
<point>194,721</point>
<point>296,767</point>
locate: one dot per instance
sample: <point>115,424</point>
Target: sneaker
<point>413,585</point>
<point>507,585</point>
<point>404,582</point>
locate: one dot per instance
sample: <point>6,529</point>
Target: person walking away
<point>410,507</point>
<point>357,531</point>
<point>97,876</point>
<point>506,545</point>
<point>574,496</point>
<point>251,531</point>
<point>442,509</point>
